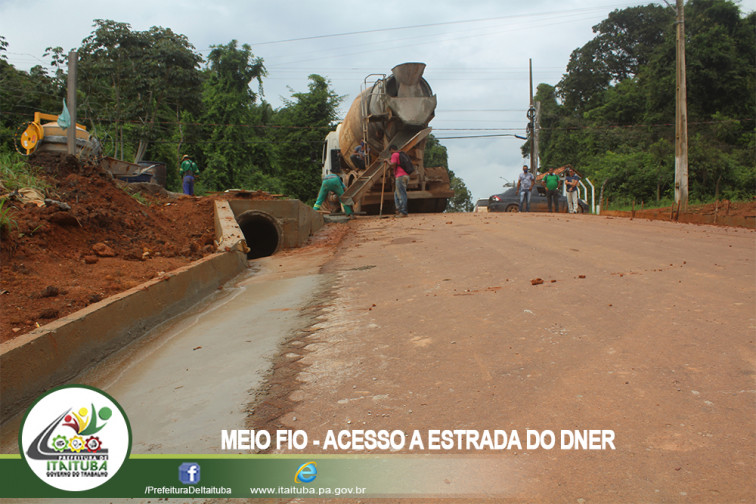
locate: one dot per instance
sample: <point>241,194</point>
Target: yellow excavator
<point>37,136</point>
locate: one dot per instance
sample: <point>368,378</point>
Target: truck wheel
<point>513,208</point>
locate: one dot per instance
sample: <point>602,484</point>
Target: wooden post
<point>531,118</point>
<point>71,133</point>
<point>681,117</point>
<point>536,135</point>
<point>383,188</point>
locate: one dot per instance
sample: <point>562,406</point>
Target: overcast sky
<point>476,53</point>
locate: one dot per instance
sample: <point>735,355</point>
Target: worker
<point>552,182</point>
<point>188,171</point>
<point>332,183</point>
<point>401,179</point>
<point>359,156</point>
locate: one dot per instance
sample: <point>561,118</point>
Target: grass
<point>140,198</point>
<point>6,221</point>
<point>16,173</point>
<point>626,205</point>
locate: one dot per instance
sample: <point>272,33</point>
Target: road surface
<point>645,329</point>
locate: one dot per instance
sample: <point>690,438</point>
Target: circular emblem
<point>75,437</point>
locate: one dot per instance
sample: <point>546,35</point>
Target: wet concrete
<point>189,379</point>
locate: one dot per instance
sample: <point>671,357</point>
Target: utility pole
<point>531,118</point>
<point>536,136</point>
<point>681,116</point>
<point>71,133</point>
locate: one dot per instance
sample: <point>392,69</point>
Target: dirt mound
<point>88,240</point>
<point>721,213</point>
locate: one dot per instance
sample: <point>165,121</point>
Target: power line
<point>444,23</point>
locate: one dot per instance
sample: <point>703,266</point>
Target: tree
<point>234,151</point>
<point>462,199</point>
<point>22,94</point>
<point>137,81</point>
<point>301,126</point>
<point>618,103</point>
<point>623,44</point>
<point>435,155</point>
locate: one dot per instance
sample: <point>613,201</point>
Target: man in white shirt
<point>525,185</point>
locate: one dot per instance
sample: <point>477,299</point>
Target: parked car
<point>481,205</point>
<point>509,201</point>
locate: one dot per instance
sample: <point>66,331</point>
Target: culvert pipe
<point>262,232</point>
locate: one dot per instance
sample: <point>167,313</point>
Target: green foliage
<point>22,94</point>
<point>435,155</point>
<point>140,198</point>
<point>462,199</point>
<point>301,126</point>
<point>6,221</point>
<point>133,83</point>
<point>16,173</point>
<point>612,115</point>
<point>234,150</point>
<point>621,47</point>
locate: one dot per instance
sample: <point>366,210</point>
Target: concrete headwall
<point>298,220</point>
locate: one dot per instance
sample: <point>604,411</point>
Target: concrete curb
<point>57,352</point>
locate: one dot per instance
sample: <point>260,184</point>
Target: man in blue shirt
<point>525,187</point>
<point>571,183</point>
<point>358,158</point>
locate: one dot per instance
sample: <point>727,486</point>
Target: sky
<point>477,53</point>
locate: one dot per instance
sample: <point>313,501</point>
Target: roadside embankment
<point>56,352</point>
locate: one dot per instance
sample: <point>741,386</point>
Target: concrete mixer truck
<point>393,109</point>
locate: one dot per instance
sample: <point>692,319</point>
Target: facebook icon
<point>189,473</point>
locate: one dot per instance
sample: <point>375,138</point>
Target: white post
<point>593,195</point>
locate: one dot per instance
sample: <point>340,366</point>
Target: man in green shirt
<point>187,172</point>
<point>332,183</point>
<point>551,182</point>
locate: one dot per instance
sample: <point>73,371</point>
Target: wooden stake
<point>383,187</point>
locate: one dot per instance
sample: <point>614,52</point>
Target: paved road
<point>642,328</point>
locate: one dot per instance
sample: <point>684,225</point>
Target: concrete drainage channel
<point>57,352</point>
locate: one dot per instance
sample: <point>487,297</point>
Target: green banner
<point>271,476</point>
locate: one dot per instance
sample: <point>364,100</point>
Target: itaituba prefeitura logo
<point>75,438</point>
